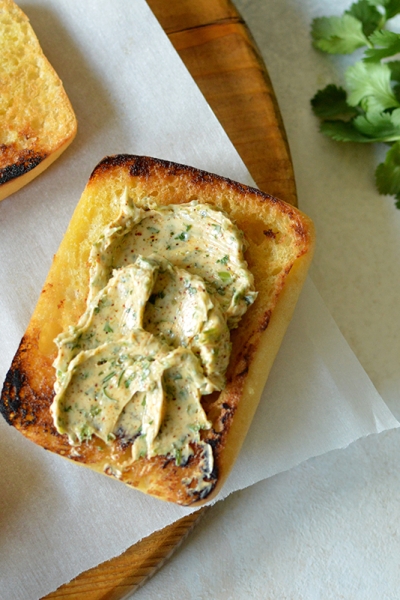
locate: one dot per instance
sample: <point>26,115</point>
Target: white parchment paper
<point>132,94</point>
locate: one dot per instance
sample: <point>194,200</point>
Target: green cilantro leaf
<point>108,377</point>
<point>389,43</point>
<point>394,66</point>
<point>369,85</point>
<point>367,108</point>
<point>224,276</point>
<point>343,131</point>
<point>382,127</point>
<point>372,127</point>
<point>338,35</point>
<point>182,236</point>
<point>387,174</point>
<point>332,102</point>
<point>369,16</point>
<point>396,91</point>
<point>224,260</point>
<point>107,328</point>
<point>391,7</point>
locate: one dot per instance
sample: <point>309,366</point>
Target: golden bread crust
<point>38,122</point>
<point>280,245</point>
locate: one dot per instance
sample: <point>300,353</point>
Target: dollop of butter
<point>194,236</point>
<point>166,286</point>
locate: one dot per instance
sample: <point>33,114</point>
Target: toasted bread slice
<point>37,120</point>
<point>280,246</point>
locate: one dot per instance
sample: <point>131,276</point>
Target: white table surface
<point>329,528</point>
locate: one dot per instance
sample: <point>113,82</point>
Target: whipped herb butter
<point>166,286</point>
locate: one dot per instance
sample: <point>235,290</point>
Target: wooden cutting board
<point>219,52</point>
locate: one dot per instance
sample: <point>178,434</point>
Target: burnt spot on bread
<point>20,405</point>
<point>137,166</point>
<point>24,403</point>
<point>226,416</point>
<point>141,167</point>
<point>209,479</point>
<point>108,164</point>
<point>16,405</point>
<point>17,162</point>
<point>203,494</point>
<point>10,401</point>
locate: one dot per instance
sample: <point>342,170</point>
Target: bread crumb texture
<point>37,120</point>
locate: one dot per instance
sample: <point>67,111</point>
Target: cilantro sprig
<point>367,108</point>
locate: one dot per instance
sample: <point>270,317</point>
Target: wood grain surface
<point>219,52</point>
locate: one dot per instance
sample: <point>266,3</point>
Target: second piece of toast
<point>36,116</point>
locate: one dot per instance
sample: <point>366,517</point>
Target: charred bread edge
<point>30,165</point>
<point>254,360</point>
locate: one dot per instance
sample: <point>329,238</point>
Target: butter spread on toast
<point>166,286</point>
